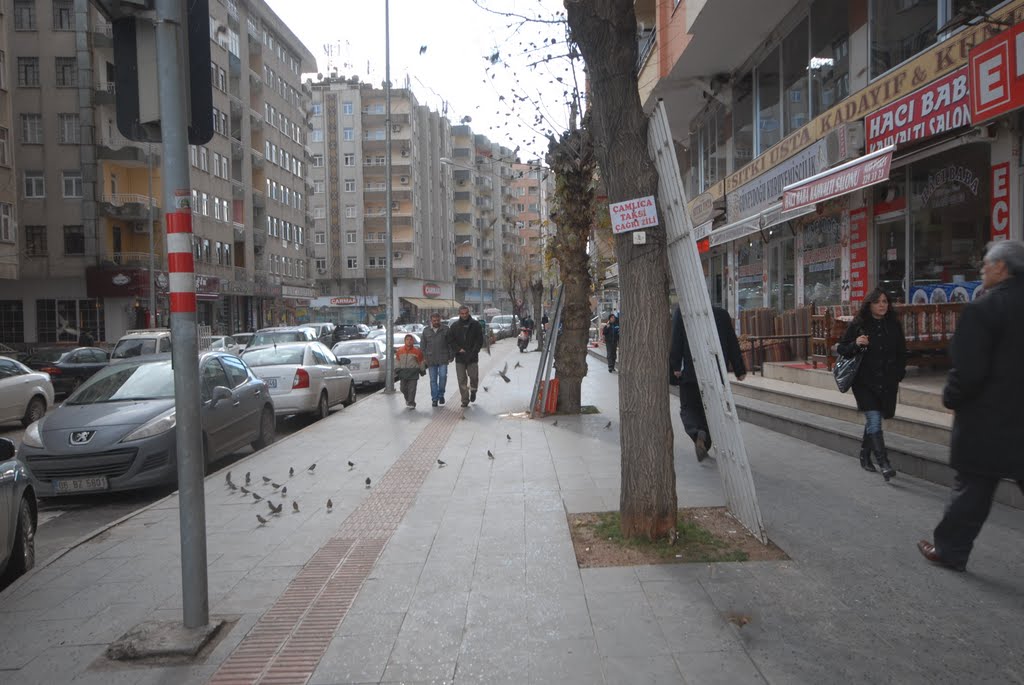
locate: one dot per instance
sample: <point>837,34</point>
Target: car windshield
<point>271,337</point>
<point>133,347</point>
<point>272,356</point>
<point>127,383</point>
<point>356,348</point>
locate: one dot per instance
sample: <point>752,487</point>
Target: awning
<point>431,303</point>
<point>752,224</point>
<point>846,178</point>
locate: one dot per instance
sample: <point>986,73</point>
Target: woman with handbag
<point>876,335</point>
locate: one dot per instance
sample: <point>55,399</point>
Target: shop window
<point>890,204</point>
<point>822,255</point>
<point>899,30</point>
<point>769,115</point>
<point>63,320</point>
<point>12,321</point>
<point>794,77</point>
<point>743,122</point>
<point>830,54</point>
<point>750,274</point>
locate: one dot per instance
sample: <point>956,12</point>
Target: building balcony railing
<point>105,93</point>
<point>122,199</point>
<point>645,48</point>
<point>136,259</point>
<point>241,273</point>
<point>239,231</point>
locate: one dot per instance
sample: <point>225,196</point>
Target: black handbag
<point>845,371</point>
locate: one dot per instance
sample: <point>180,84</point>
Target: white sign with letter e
<point>632,215</point>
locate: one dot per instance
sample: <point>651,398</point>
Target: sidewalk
<point>467,574</point>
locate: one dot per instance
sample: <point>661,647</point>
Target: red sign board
<point>940,106</point>
<point>858,254</point>
<point>431,290</point>
<point>860,173</point>
<point>1001,201</point>
<point>997,75</point>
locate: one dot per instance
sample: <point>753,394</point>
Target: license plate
<point>354,366</point>
<point>68,485</point>
<point>271,382</point>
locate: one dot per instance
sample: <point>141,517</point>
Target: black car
<point>348,331</point>
<point>68,367</point>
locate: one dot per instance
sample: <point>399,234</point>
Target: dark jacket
<point>884,364</point>
<point>986,383</point>
<point>435,345</point>
<point>681,347</point>
<point>466,335</point>
<point>611,334</point>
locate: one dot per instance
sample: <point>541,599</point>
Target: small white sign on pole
<point>632,215</point>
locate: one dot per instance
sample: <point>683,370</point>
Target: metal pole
<point>173,75</point>
<point>152,255</point>
<point>389,380</point>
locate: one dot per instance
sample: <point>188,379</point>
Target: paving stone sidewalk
<point>476,580</point>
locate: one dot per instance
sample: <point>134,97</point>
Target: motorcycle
<point>524,338</point>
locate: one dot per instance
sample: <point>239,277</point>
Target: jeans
<point>872,422</point>
<point>438,381</point>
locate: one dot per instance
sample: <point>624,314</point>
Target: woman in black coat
<point>876,334</point>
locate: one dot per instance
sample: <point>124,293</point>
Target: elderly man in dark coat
<point>984,391</point>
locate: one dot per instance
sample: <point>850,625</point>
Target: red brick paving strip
<point>287,642</point>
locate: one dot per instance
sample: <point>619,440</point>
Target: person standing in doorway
<point>984,391</point>
<point>434,341</point>
<point>610,333</point>
<point>465,338</point>
<point>876,334</point>
<point>691,406</point>
<point>409,366</point>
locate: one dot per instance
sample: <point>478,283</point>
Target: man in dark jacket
<point>434,343</point>
<point>691,407</point>
<point>465,338</point>
<point>984,390</point>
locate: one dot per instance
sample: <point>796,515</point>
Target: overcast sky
<point>457,35</point>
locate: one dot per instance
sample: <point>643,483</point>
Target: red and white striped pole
<point>180,258</point>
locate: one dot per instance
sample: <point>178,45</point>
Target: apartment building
<point>90,202</point>
<point>808,88</point>
<point>11,321</point>
<point>349,151</point>
<point>532,186</point>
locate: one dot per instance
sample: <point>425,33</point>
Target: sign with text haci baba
<point>633,215</point>
<point>939,107</point>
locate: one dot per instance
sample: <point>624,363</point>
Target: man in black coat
<point>683,374</point>
<point>984,390</point>
<point>465,338</point>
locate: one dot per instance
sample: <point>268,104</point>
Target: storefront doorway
<point>714,273</point>
<point>781,275</point>
<point>891,255</point>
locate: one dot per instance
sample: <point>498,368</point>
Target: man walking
<point>434,343</point>
<point>984,391</point>
<point>465,338</point>
<point>691,407</point>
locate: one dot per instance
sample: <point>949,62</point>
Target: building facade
<point>785,125</point>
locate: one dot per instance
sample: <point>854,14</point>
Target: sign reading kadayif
<point>996,72</point>
<point>633,215</point>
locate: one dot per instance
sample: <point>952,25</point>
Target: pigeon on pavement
<point>608,425</point>
<point>245,491</point>
<point>232,487</point>
<point>275,485</point>
<point>555,423</point>
<point>351,465</point>
<point>295,506</point>
<point>291,471</point>
<point>262,520</point>
<point>330,505</point>
<point>312,468</point>
<point>247,476</point>
<point>265,479</point>
<point>277,509</point>
<point>490,455</point>
<point>517,366</point>
<point>227,478</point>
<point>284,491</point>
<point>256,497</point>
<point>508,437</point>
<point>367,481</point>
<point>441,464</point>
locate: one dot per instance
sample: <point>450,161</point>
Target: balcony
<point>467,262</point>
<point>465,282</point>
<point>255,119</point>
<point>117,148</point>
<point>257,159</point>
<point>237,189</point>
<point>255,81</point>
<point>375,188</point>
<point>259,242</point>
<point>103,34</point>
<point>128,206</point>
<point>104,94</point>
<point>253,28</point>
<point>239,232</point>
<point>259,198</point>
<point>135,259</point>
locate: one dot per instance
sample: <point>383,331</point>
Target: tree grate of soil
<point>706,535</point>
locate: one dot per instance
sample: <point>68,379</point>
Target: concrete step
<point>913,422</point>
<point>917,390</point>
<point>909,456</point>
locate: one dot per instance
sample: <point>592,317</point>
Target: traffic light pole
<point>173,73</point>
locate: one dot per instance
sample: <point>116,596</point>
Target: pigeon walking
<point>367,481</point>
<point>256,497</point>
<point>508,437</point>
<point>441,464</point>
<point>284,491</point>
<point>247,477</point>
<point>232,487</point>
<point>517,366</point>
<point>291,471</point>
<point>275,485</point>
<point>312,468</point>
<point>265,479</point>
<point>245,490</point>
<point>608,425</point>
<point>330,505</point>
<point>227,478</point>
<point>295,507</point>
<point>277,509</point>
<point>490,455</point>
<point>351,465</point>
<point>262,520</point>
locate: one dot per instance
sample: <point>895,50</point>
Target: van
<point>142,343</point>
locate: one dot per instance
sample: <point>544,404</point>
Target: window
<point>204,204</point>
<point>830,56</point>
<point>28,72</point>
<point>35,184</point>
<point>74,240</point>
<point>316,109</point>
<point>346,108</point>
<point>67,72</point>
<point>3,70</point>
<point>63,15</point>
<point>900,30</point>
<point>321,265</point>
<point>69,131</point>
<point>318,161</point>
<point>347,134</point>
<point>349,159</point>
<point>317,136</point>
<point>350,211</point>
<point>35,241</point>
<point>204,159</point>
<point>72,183</point>
<point>350,185</point>
<point>222,79</point>
<point>32,129</point>
<point>318,187</point>
<point>319,213</point>
<point>769,116</point>
<point>5,142</point>
<point>352,262</point>
<point>350,237</point>
<point>320,238</point>
<point>24,15</point>
<point>6,225</point>
<point>794,78</point>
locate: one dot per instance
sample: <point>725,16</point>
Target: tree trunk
<point>537,294</point>
<point>605,31</point>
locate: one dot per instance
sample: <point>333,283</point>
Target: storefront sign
<point>1001,201</point>
<point>858,254</point>
<point>950,178</point>
<point>298,292</point>
<point>344,301</point>
<point>860,173</point>
<point>938,107</point>
<point>766,189</point>
<point>633,215</point>
<point>702,208</point>
<point>431,290</point>
<point>997,75</point>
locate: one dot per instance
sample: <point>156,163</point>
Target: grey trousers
<point>408,388</point>
<point>469,377</point>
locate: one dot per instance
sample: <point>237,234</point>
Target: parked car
<point>416,328</point>
<point>324,332</point>
<point>116,432</point>
<point>502,325</point>
<point>25,394</point>
<point>225,343</point>
<point>68,367</point>
<point>400,339</point>
<point>18,516</point>
<point>304,377</point>
<point>142,343</point>
<point>242,340</point>
<point>365,359</point>
<point>381,333</point>
<point>350,331</point>
<point>281,334</point>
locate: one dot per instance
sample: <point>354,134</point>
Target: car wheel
<point>23,554</point>
<point>35,411</point>
<point>323,407</point>
<point>351,395</point>
<point>267,426</point>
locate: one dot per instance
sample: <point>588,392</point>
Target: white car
<point>242,340</point>
<point>142,343</point>
<point>25,395</point>
<point>366,359</point>
<point>225,343</point>
<point>303,377</point>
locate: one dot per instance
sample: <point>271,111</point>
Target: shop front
<point>347,309</point>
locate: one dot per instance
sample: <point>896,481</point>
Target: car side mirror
<point>7,449</point>
<point>344,361</point>
<point>220,393</point>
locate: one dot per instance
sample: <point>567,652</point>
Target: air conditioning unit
<point>139,228</point>
<point>321,271</point>
<point>844,142</point>
<point>405,153</point>
<point>397,255</point>
<point>394,205</point>
<point>396,128</point>
<point>404,180</point>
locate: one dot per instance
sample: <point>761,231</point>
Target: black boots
<point>865,455</point>
<point>877,441</point>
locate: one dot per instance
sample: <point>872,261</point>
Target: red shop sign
<point>1001,201</point>
<point>997,75</point>
<point>858,254</point>
<point>431,290</point>
<point>940,106</point>
<point>846,178</point>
